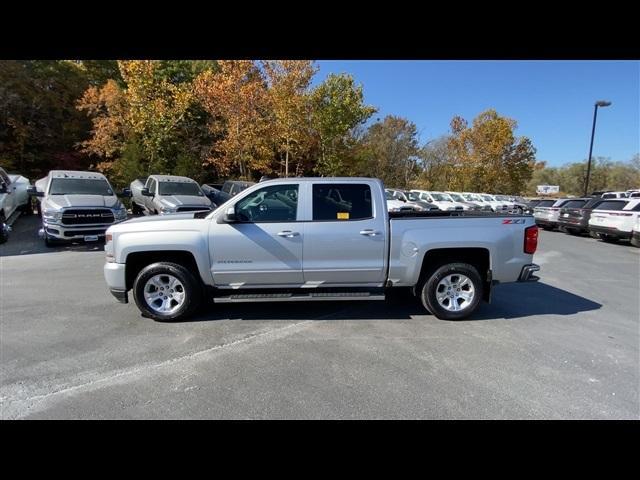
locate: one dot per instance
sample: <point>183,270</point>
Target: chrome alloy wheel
<point>455,292</point>
<point>164,293</point>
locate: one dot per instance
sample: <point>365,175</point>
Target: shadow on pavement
<point>510,301</point>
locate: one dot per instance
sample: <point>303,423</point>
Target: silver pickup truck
<point>310,239</point>
<point>76,205</point>
<point>162,194</point>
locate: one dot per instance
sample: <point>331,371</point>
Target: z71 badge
<point>512,220</point>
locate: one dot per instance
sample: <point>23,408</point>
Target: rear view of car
<point>613,220</point>
<point>574,215</point>
<point>546,213</point>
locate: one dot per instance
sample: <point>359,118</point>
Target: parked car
<point>635,233</point>
<point>573,217</point>
<point>439,199</point>
<point>14,199</point>
<point>615,195</point>
<point>411,199</point>
<point>396,205</point>
<point>310,239</point>
<point>163,194</point>
<point>478,200</point>
<point>76,205</point>
<point>530,205</point>
<point>547,212</point>
<point>496,205</point>
<point>466,204</point>
<point>227,190</point>
<point>614,219</point>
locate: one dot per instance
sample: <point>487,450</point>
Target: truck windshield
<point>177,188</point>
<point>440,197</point>
<point>80,186</point>
<point>412,196</point>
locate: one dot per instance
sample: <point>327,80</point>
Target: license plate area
<point>91,238</point>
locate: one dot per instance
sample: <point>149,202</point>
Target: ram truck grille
<point>87,217</point>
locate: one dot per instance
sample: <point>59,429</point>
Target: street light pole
<point>600,103</point>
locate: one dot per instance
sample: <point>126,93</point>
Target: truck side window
<point>341,202</point>
<point>276,203</point>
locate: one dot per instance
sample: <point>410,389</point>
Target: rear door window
<point>574,204</point>
<point>341,202</point>
<point>611,205</point>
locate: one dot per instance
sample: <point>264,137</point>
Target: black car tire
<point>192,289</point>
<point>428,290</point>
<point>4,233</point>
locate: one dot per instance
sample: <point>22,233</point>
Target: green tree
<point>488,156</point>
<point>337,108</point>
<point>392,152</point>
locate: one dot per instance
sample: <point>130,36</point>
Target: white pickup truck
<point>13,199</point>
<point>162,194</point>
<point>309,239</point>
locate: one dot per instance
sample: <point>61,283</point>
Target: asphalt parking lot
<point>564,348</point>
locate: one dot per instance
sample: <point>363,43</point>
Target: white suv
<point>614,219</point>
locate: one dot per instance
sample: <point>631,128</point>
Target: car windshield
<point>412,196</point>
<point>456,197</point>
<point>388,194</point>
<point>487,198</point>
<point>441,197</point>
<point>180,188</point>
<point>546,203</point>
<point>80,186</point>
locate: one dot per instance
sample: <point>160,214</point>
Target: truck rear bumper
<point>526,275</point>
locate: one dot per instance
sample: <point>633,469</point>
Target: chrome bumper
<point>526,275</point>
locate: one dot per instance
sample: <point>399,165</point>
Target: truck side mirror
<point>34,192</point>
<point>126,193</point>
<point>230,215</point>
<point>145,192</point>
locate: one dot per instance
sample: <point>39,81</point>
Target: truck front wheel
<point>452,291</point>
<point>166,291</point>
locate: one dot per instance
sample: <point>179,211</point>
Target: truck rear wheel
<point>452,291</point>
<point>166,291</point>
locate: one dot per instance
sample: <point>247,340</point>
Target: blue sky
<point>552,101</point>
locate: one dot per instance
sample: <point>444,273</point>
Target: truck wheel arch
<point>479,257</point>
<point>136,261</point>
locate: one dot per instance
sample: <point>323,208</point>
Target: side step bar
<point>298,297</point>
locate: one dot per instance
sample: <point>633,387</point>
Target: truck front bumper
<point>526,275</point>
<point>79,232</point>
<point>114,274</point>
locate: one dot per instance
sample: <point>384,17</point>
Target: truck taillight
<point>531,239</point>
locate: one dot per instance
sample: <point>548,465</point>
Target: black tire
<point>572,231</point>
<point>4,233</point>
<point>192,289</point>
<point>51,242</point>
<point>609,239</point>
<point>429,289</point>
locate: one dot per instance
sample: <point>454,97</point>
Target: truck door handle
<point>369,232</point>
<point>288,234</point>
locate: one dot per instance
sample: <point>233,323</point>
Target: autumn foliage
<point>241,119</point>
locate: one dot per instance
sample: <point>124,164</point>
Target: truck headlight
<point>52,215</point>
<point>164,209</point>
<point>120,213</point>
